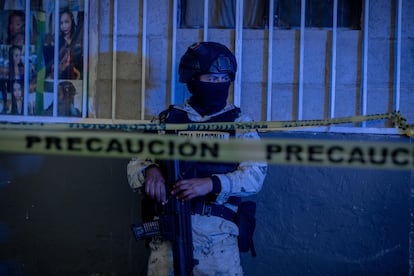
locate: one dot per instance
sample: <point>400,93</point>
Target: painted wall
<point>70,216</point>
<point>253,70</point>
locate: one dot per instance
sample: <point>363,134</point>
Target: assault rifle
<point>174,224</point>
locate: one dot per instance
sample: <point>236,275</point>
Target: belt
<point>207,209</point>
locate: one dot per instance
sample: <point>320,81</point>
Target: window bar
<point>143,57</point>
<point>238,50</point>
<point>26,59</point>
<point>333,59</point>
<point>56,59</point>
<point>173,51</point>
<point>93,43</point>
<point>114,57</point>
<point>301,54</point>
<point>205,29</point>
<point>85,59</point>
<point>365,61</point>
<point>270,62</point>
<point>398,58</point>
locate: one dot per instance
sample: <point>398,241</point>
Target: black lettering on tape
<point>87,126</point>
<point>213,149</point>
<point>187,149</point>
<point>294,150</point>
<point>378,158</point>
<point>331,154</point>
<point>272,149</point>
<point>171,147</point>
<point>31,140</point>
<point>356,155</point>
<point>155,147</point>
<point>114,145</point>
<point>53,141</point>
<point>73,143</point>
<point>313,152</point>
<point>397,160</point>
<point>151,127</point>
<point>90,144</point>
<point>139,146</point>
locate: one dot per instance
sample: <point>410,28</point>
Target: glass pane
<point>349,14</point>
<point>40,58</point>
<point>319,13</point>
<point>287,13</point>
<point>222,13</point>
<point>70,60</point>
<point>12,58</point>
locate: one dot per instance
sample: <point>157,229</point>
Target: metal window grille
<point>42,29</point>
<point>238,41</point>
<point>238,48</point>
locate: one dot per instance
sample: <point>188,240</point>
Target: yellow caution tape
<point>361,154</point>
<point>401,123</point>
<point>260,126</point>
<point>67,139</point>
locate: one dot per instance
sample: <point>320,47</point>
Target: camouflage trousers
<point>215,249</point>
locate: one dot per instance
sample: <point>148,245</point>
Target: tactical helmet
<point>206,58</point>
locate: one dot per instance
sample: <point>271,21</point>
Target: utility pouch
<point>246,221</point>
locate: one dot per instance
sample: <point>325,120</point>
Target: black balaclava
<point>208,97</point>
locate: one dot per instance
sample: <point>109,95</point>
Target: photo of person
<point>70,47</point>
<point>16,67</point>
<point>17,98</point>
<point>66,101</point>
<point>41,53</point>
<point>16,72</point>
<point>16,28</point>
<point>67,65</point>
<point>13,55</point>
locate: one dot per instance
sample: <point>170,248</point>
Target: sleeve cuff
<point>216,185</point>
<point>135,172</point>
<point>223,194</point>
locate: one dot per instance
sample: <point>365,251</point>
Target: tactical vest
<point>194,169</point>
<point>244,218</point>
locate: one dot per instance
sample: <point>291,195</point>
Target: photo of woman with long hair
<point>17,98</point>
<point>70,47</point>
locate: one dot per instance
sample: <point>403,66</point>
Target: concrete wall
<point>71,216</point>
<point>317,62</point>
<point>64,215</point>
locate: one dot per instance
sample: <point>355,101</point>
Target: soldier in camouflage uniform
<point>208,68</point>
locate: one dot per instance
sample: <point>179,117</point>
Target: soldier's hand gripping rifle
<point>174,224</point>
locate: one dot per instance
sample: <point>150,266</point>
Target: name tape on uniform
<point>372,154</point>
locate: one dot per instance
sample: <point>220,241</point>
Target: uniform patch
<point>205,134</point>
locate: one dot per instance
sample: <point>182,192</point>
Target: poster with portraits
<point>48,48</point>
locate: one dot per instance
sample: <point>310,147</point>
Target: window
<point>42,58</point>
<point>319,13</point>
<point>329,72</point>
<point>221,13</point>
<point>287,13</point>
